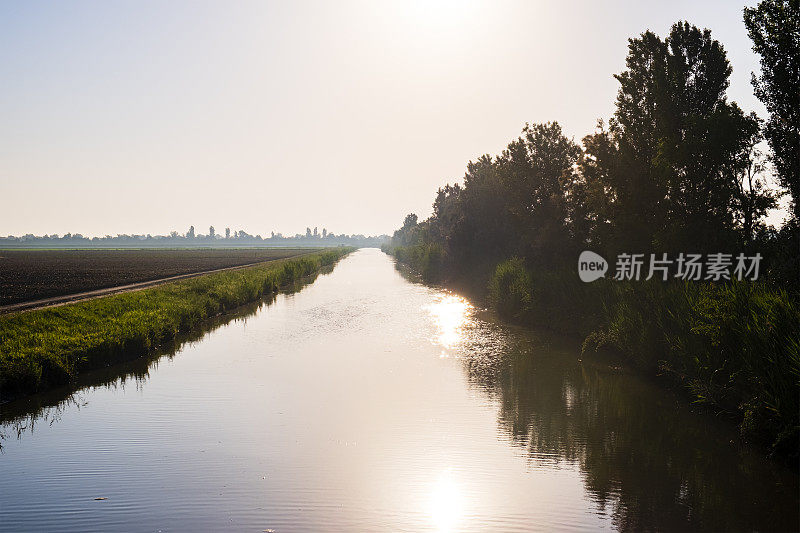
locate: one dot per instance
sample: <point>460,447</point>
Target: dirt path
<point>91,295</point>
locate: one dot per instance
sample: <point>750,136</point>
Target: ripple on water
<point>367,402</point>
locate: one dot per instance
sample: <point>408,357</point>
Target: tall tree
<point>484,228</point>
<point>409,233</point>
<point>638,189</point>
<point>674,140</point>
<point>593,198</point>
<point>774,28</point>
<point>410,221</point>
<point>532,170</point>
<point>744,172</point>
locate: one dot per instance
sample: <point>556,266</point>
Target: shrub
<point>510,289</point>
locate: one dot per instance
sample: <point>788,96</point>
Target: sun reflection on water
<point>451,314</point>
<point>446,503</point>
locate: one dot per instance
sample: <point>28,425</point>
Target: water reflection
<point>452,315</point>
<point>645,458</point>
<point>446,503</point>
<point>333,411</point>
<point>22,416</point>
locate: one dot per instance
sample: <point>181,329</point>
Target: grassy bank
<point>734,347</point>
<point>48,347</point>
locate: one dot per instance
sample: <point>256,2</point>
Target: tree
<point>592,202</point>
<point>410,221</point>
<point>190,233</point>
<point>483,227</point>
<point>324,233</point>
<point>637,190</point>
<point>667,165</point>
<point>774,28</point>
<point>227,233</point>
<point>677,169</point>
<point>316,233</point>
<point>211,232</point>
<point>532,171</point>
<point>308,232</point>
<point>409,233</point>
<point>752,198</point>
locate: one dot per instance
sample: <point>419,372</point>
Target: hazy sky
<point>144,117</point>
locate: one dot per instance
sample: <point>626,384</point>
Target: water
<point>367,402</point>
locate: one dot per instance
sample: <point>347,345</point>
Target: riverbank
<point>44,348</point>
<point>734,347</point>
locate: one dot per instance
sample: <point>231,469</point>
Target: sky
<point>147,117</point>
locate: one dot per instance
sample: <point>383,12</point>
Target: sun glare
<point>446,503</point>
<point>440,11</point>
<point>450,314</point>
<point>435,24</point>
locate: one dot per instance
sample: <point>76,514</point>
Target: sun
<point>436,20</point>
<point>439,11</point>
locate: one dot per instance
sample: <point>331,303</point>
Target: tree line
<point>677,168</point>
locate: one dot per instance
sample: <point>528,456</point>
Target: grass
<point>48,347</point>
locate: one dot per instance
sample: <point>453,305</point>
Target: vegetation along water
<point>676,170</point>
<point>48,347</point>
<point>367,401</point>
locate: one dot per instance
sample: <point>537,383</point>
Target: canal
<point>367,401</point>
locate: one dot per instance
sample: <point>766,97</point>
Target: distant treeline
<point>677,169</point>
<point>190,239</point>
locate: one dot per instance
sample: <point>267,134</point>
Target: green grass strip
<point>44,348</point>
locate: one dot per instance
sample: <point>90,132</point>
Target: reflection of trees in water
<point>645,458</point>
<point>24,415</point>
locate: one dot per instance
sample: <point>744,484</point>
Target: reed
<point>734,346</point>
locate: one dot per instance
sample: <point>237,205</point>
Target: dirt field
<point>27,275</point>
